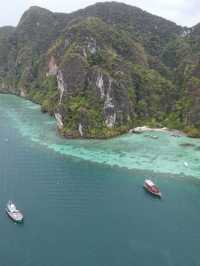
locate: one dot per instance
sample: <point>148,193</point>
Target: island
<point>105,69</point>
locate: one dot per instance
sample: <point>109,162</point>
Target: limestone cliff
<point>104,69</point>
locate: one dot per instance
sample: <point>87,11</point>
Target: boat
<point>175,135</point>
<point>13,213</point>
<point>152,188</point>
<point>151,136</point>
<point>155,137</point>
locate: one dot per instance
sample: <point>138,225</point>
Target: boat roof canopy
<point>149,182</point>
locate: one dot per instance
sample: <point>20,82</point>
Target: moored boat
<point>152,188</point>
<point>151,136</point>
<point>13,213</point>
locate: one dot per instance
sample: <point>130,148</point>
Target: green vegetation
<point>47,95</point>
<point>192,132</point>
<point>81,110</point>
<point>107,68</point>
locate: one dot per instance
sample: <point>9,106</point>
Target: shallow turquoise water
<point>165,155</point>
<point>83,200</point>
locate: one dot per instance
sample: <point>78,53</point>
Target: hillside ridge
<point>104,69</point>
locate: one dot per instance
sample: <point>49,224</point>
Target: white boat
<point>152,188</point>
<point>13,213</point>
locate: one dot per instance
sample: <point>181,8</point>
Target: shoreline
<point>136,130</point>
<point>172,132</point>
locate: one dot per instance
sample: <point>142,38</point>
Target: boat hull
<point>149,190</point>
<point>14,218</point>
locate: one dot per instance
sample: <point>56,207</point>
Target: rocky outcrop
<point>52,66</point>
<point>62,87</point>
<point>59,121</point>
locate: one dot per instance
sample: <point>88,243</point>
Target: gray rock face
<point>114,96</point>
<point>59,121</point>
<point>72,75</point>
<point>52,66</point>
<point>62,87</point>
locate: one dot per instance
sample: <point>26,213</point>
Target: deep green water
<point>83,201</point>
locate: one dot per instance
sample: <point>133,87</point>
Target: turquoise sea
<point>83,200</point>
